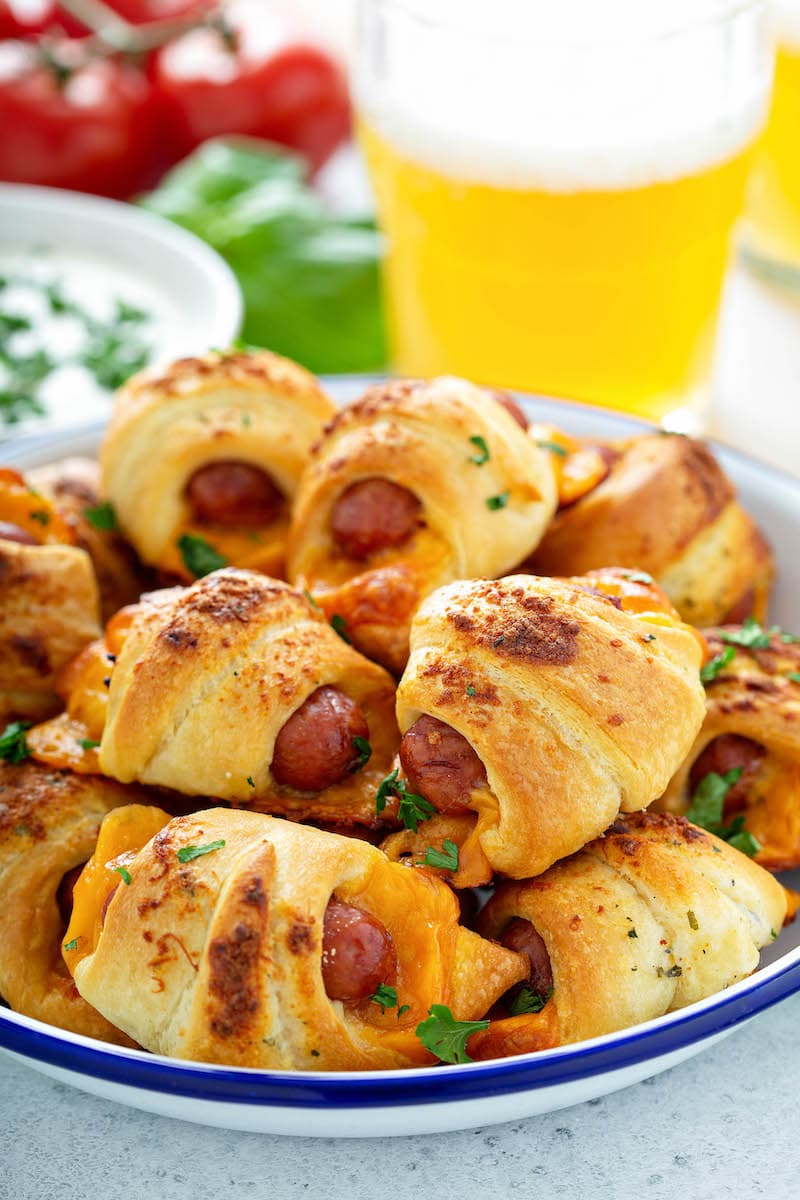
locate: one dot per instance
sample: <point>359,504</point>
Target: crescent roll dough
<point>579,697</point>
<point>652,916</point>
<point>667,507</point>
<point>219,957</point>
<point>256,409</point>
<point>202,680</point>
<point>49,823</point>
<point>485,489</point>
<point>752,725</point>
<point>49,603</point>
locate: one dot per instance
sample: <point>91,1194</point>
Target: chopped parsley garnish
<point>71,945</point>
<point>483,456</point>
<point>250,782</point>
<point>528,1001</point>
<point>339,625</point>
<point>405,1007</point>
<point>13,746</point>
<point>495,502</point>
<point>470,689</point>
<point>102,517</point>
<point>311,599</point>
<point>412,808</point>
<point>754,637</point>
<point>671,972</point>
<point>447,857</point>
<point>198,556</point>
<point>794,676</point>
<point>364,752</point>
<point>554,448</point>
<point>692,919</point>
<point>711,669</point>
<point>384,995</point>
<point>632,933</point>
<point>88,744</point>
<point>123,873</point>
<point>41,515</point>
<point>649,637</point>
<point>445,1037</point>
<point>187,853</point>
<point>707,807</point>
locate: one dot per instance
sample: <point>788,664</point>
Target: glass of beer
<point>558,181</point>
<point>772,228</point>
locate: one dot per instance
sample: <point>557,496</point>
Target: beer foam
<point>556,112</point>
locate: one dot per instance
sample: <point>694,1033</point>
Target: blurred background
<point>233,120</point>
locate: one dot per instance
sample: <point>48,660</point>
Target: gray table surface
<point>725,1123</point>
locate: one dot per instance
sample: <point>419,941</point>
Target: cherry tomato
<point>253,76</point>
<point>91,128</point>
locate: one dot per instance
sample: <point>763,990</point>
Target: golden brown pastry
<point>665,507</point>
<point>533,710</point>
<point>74,487</point>
<point>652,916</point>
<point>49,604</point>
<point>202,459</point>
<point>237,688</point>
<point>49,822</point>
<point>415,485</point>
<point>237,938</point>
<point>748,750</point>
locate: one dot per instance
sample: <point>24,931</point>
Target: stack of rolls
<point>249,822</point>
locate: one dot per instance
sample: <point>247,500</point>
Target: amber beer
<point>773,203</point>
<point>579,253</point>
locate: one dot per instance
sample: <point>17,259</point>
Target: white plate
<point>446,1098</point>
<point>113,249</point>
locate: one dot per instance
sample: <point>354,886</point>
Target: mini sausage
<point>372,515</point>
<point>726,753</point>
<point>520,935</point>
<point>315,748</point>
<point>65,892</point>
<point>15,533</point>
<point>512,408</point>
<point>233,494</point>
<point>440,765</point>
<point>357,953</point>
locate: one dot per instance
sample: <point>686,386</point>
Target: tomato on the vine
<point>91,127</point>
<point>252,74</point>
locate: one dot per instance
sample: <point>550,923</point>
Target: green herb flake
<point>773,935</point>
<point>445,1037</point>
<point>102,517</point>
<point>188,853</point>
<point>483,456</point>
<point>13,746</point>
<point>250,782</point>
<point>692,919</point>
<point>311,599</point>
<point>447,857</point>
<point>385,996</point>
<point>706,810</point>
<point>41,515</point>
<point>554,448</point>
<point>632,933</point>
<point>794,676</point>
<point>753,636</point>
<point>493,503</point>
<point>124,874</point>
<point>412,808</point>
<point>88,744</point>
<point>71,945</point>
<point>649,637</point>
<point>470,689</point>
<point>710,670</point>
<point>364,751</point>
<point>404,1008</point>
<point>198,556</point>
<point>528,1001</point>
<point>671,972</point>
<point>339,625</point>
